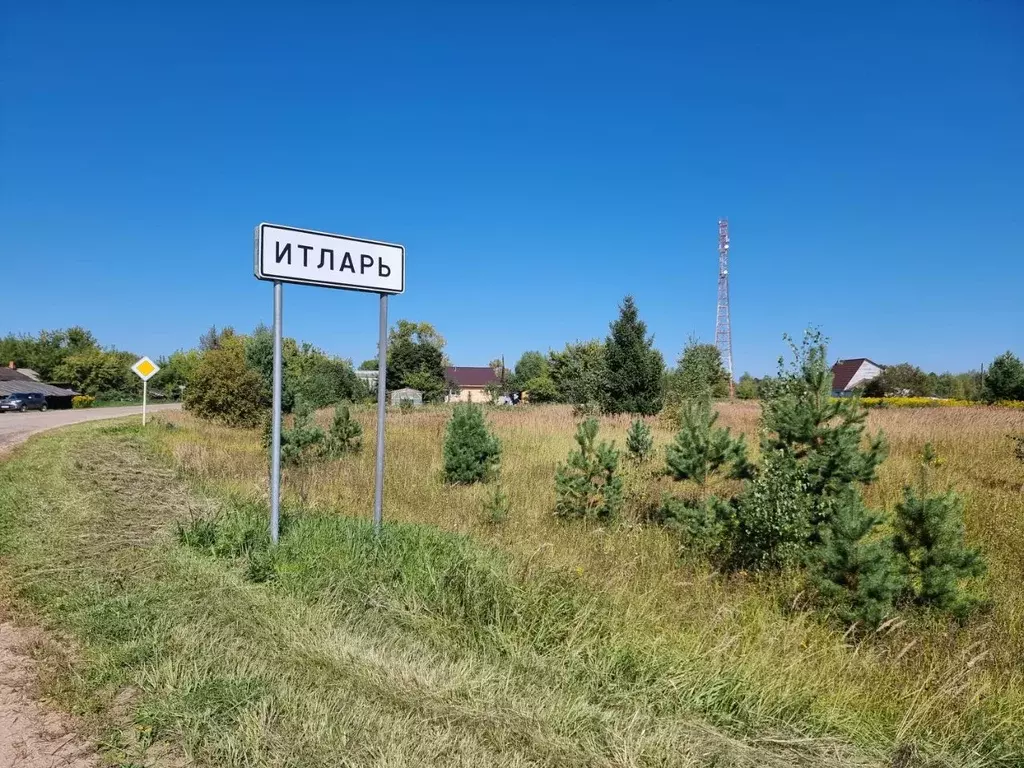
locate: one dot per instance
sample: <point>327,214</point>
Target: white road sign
<point>333,261</point>
<point>145,368</point>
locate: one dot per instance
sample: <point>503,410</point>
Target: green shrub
<point>303,442</point>
<point>702,525</point>
<point>223,388</point>
<point>405,405</point>
<point>496,507</point>
<point>588,485</point>
<point>823,435</point>
<point>83,401</point>
<point>471,452</point>
<point>540,389</point>
<point>345,434</point>
<point>853,568</point>
<point>639,441</point>
<point>930,544</point>
<point>773,523</point>
<point>700,449</point>
<point>699,374</point>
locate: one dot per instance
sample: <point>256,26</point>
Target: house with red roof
<point>847,374</point>
<point>468,384</point>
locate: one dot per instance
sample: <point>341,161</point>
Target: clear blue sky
<point>538,160</point>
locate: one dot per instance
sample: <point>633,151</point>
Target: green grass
<point>189,637</point>
<point>923,685</point>
<point>454,640</point>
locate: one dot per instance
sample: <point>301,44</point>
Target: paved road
<point>16,427</point>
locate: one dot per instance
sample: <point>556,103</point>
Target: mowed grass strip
<point>424,648</point>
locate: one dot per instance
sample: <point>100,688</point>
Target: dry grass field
<point>458,641</point>
<point>917,681</point>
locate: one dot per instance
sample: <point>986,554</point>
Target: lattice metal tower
<point>723,328</point>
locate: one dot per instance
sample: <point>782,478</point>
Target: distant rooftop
<point>470,376</point>
<point>844,370</point>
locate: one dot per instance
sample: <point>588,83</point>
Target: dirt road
<point>31,735</point>
<point>16,427</point>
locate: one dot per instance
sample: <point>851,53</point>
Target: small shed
<point>414,396</point>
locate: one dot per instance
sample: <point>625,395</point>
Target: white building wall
<point>866,372</point>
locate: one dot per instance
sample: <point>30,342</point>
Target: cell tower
<point>723,328</point>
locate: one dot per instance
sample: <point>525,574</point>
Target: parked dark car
<point>23,401</point>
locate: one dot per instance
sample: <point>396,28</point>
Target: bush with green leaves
<point>774,518</point>
<point>541,389</point>
<point>471,452</point>
<point>852,567</point>
<point>223,388</point>
<point>930,544</point>
<point>701,450</point>
<point>639,441</point>
<point>345,434</point>
<point>588,485</point>
<point>747,388</point>
<point>699,374</point>
<point>303,442</point>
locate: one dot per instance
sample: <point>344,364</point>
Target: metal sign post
<point>382,395</point>
<point>145,369</point>
<point>307,257</point>
<point>275,445</point>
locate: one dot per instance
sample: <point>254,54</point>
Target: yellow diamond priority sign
<point>145,368</point>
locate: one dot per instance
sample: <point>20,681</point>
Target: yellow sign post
<point>145,369</point>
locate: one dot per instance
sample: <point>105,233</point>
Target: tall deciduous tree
<point>45,352</point>
<point>900,380</point>
<point>747,387</point>
<point>176,370</point>
<point>634,369</point>
<point>531,365</point>
<point>699,373</point>
<point>416,359</point>
<point>100,372</point>
<point>309,372</point>
<point>578,372</point>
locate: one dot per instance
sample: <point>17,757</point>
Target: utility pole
<point>723,327</point>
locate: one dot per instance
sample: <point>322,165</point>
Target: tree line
<point>1002,380</point>
<point>623,373</point>
<point>73,356</point>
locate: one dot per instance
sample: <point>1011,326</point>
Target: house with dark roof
<point>468,384</point>
<point>13,381</point>
<point>847,374</point>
